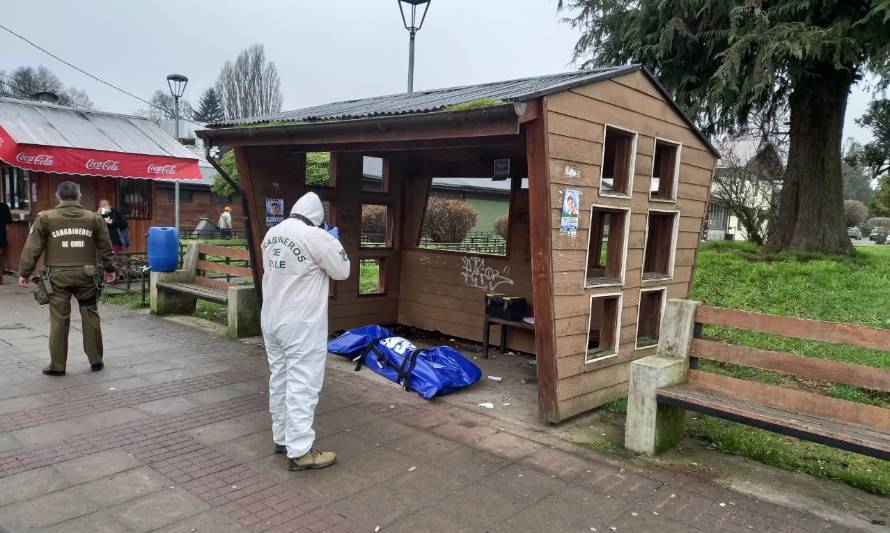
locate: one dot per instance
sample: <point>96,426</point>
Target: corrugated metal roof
<point>436,100</point>
<point>44,124</point>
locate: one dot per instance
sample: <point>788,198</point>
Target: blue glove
<point>334,232</point>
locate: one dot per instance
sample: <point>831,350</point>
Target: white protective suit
<point>299,261</point>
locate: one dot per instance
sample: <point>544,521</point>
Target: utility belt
<point>43,287</point>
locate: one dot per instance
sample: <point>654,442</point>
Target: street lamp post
<point>412,23</point>
<point>176,83</point>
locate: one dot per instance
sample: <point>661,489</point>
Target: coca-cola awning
<point>62,140</point>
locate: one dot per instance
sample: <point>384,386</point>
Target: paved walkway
<point>174,436</point>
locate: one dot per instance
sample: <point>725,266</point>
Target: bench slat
<point>205,293</point>
<point>826,431</point>
<point>794,401</point>
<point>785,326</point>
<point>224,251</point>
<point>211,266</point>
<point>219,285</point>
<point>857,375</point>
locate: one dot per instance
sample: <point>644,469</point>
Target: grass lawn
<point>369,277</point>
<point>842,289</point>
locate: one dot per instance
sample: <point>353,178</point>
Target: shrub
<point>318,169</point>
<point>501,225</point>
<point>374,219</point>
<point>448,220</point>
<point>855,212</point>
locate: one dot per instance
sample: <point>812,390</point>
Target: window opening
<point>16,182</point>
<point>318,169</point>
<point>134,198</point>
<point>664,170</point>
<point>617,166</point>
<point>606,246</point>
<point>370,277</point>
<point>467,215</point>
<point>604,327</point>
<point>376,226</point>
<point>658,259</point>
<point>375,177</point>
<point>649,318</point>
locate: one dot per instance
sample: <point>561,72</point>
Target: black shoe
<point>96,367</point>
<point>50,372</point>
<point>280,448</point>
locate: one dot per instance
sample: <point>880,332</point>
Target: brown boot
<point>311,460</point>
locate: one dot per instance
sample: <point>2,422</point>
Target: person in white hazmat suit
<point>299,259</point>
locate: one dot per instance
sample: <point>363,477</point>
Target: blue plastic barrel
<point>163,249</point>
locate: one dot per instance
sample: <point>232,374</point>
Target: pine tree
<point>209,108</point>
<point>726,61</point>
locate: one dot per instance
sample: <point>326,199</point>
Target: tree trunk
<point>811,206</point>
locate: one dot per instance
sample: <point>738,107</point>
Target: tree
<point>250,86</point>
<point>724,61</point>
<point>220,186</point>
<point>162,106</point>
<point>857,184</point>
<point>26,82</point>
<point>749,189</point>
<point>874,156</point>
<point>209,108</point>
<point>881,202</point>
<point>76,98</point>
<point>855,212</point>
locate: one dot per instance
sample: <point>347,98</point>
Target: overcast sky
<point>325,50</point>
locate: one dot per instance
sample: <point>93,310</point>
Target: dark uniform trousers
<point>68,282</point>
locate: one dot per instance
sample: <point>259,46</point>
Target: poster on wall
<point>568,223</point>
<point>274,211</point>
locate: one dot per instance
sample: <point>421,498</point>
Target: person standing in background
<point>5,218</point>
<point>225,223</point>
<point>116,223</point>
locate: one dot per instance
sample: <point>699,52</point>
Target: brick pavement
<point>174,436</point>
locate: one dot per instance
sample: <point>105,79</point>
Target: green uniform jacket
<point>70,236</point>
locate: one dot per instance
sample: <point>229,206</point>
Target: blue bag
<point>429,372</point>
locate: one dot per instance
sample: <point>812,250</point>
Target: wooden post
<point>542,272</point>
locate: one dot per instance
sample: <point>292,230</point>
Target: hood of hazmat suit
<point>299,260</point>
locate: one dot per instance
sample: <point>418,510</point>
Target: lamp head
<point>177,83</point>
<point>410,20</point>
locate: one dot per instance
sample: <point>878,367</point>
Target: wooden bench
<point>486,332</point>
<point>218,281</point>
<point>667,383</point>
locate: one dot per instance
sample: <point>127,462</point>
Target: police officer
<point>71,238</point>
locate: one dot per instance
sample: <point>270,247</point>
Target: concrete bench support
<point>243,319</point>
<point>651,427</point>
<point>169,302</point>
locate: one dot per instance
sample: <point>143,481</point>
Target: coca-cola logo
<point>168,170</point>
<point>41,160</point>
<point>108,164</point>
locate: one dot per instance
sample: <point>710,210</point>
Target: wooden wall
<point>575,122</point>
<point>94,189</point>
<point>279,172</point>
<point>445,291</point>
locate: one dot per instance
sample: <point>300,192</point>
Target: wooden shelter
<point>597,277</point>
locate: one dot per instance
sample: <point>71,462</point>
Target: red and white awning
<point>80,161</point>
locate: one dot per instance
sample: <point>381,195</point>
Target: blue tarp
<point>429,372</point>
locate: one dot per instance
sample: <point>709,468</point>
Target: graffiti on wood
<point>477,274</point>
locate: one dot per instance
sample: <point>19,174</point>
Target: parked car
<point>854,233</point>
<point>876,233</point>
